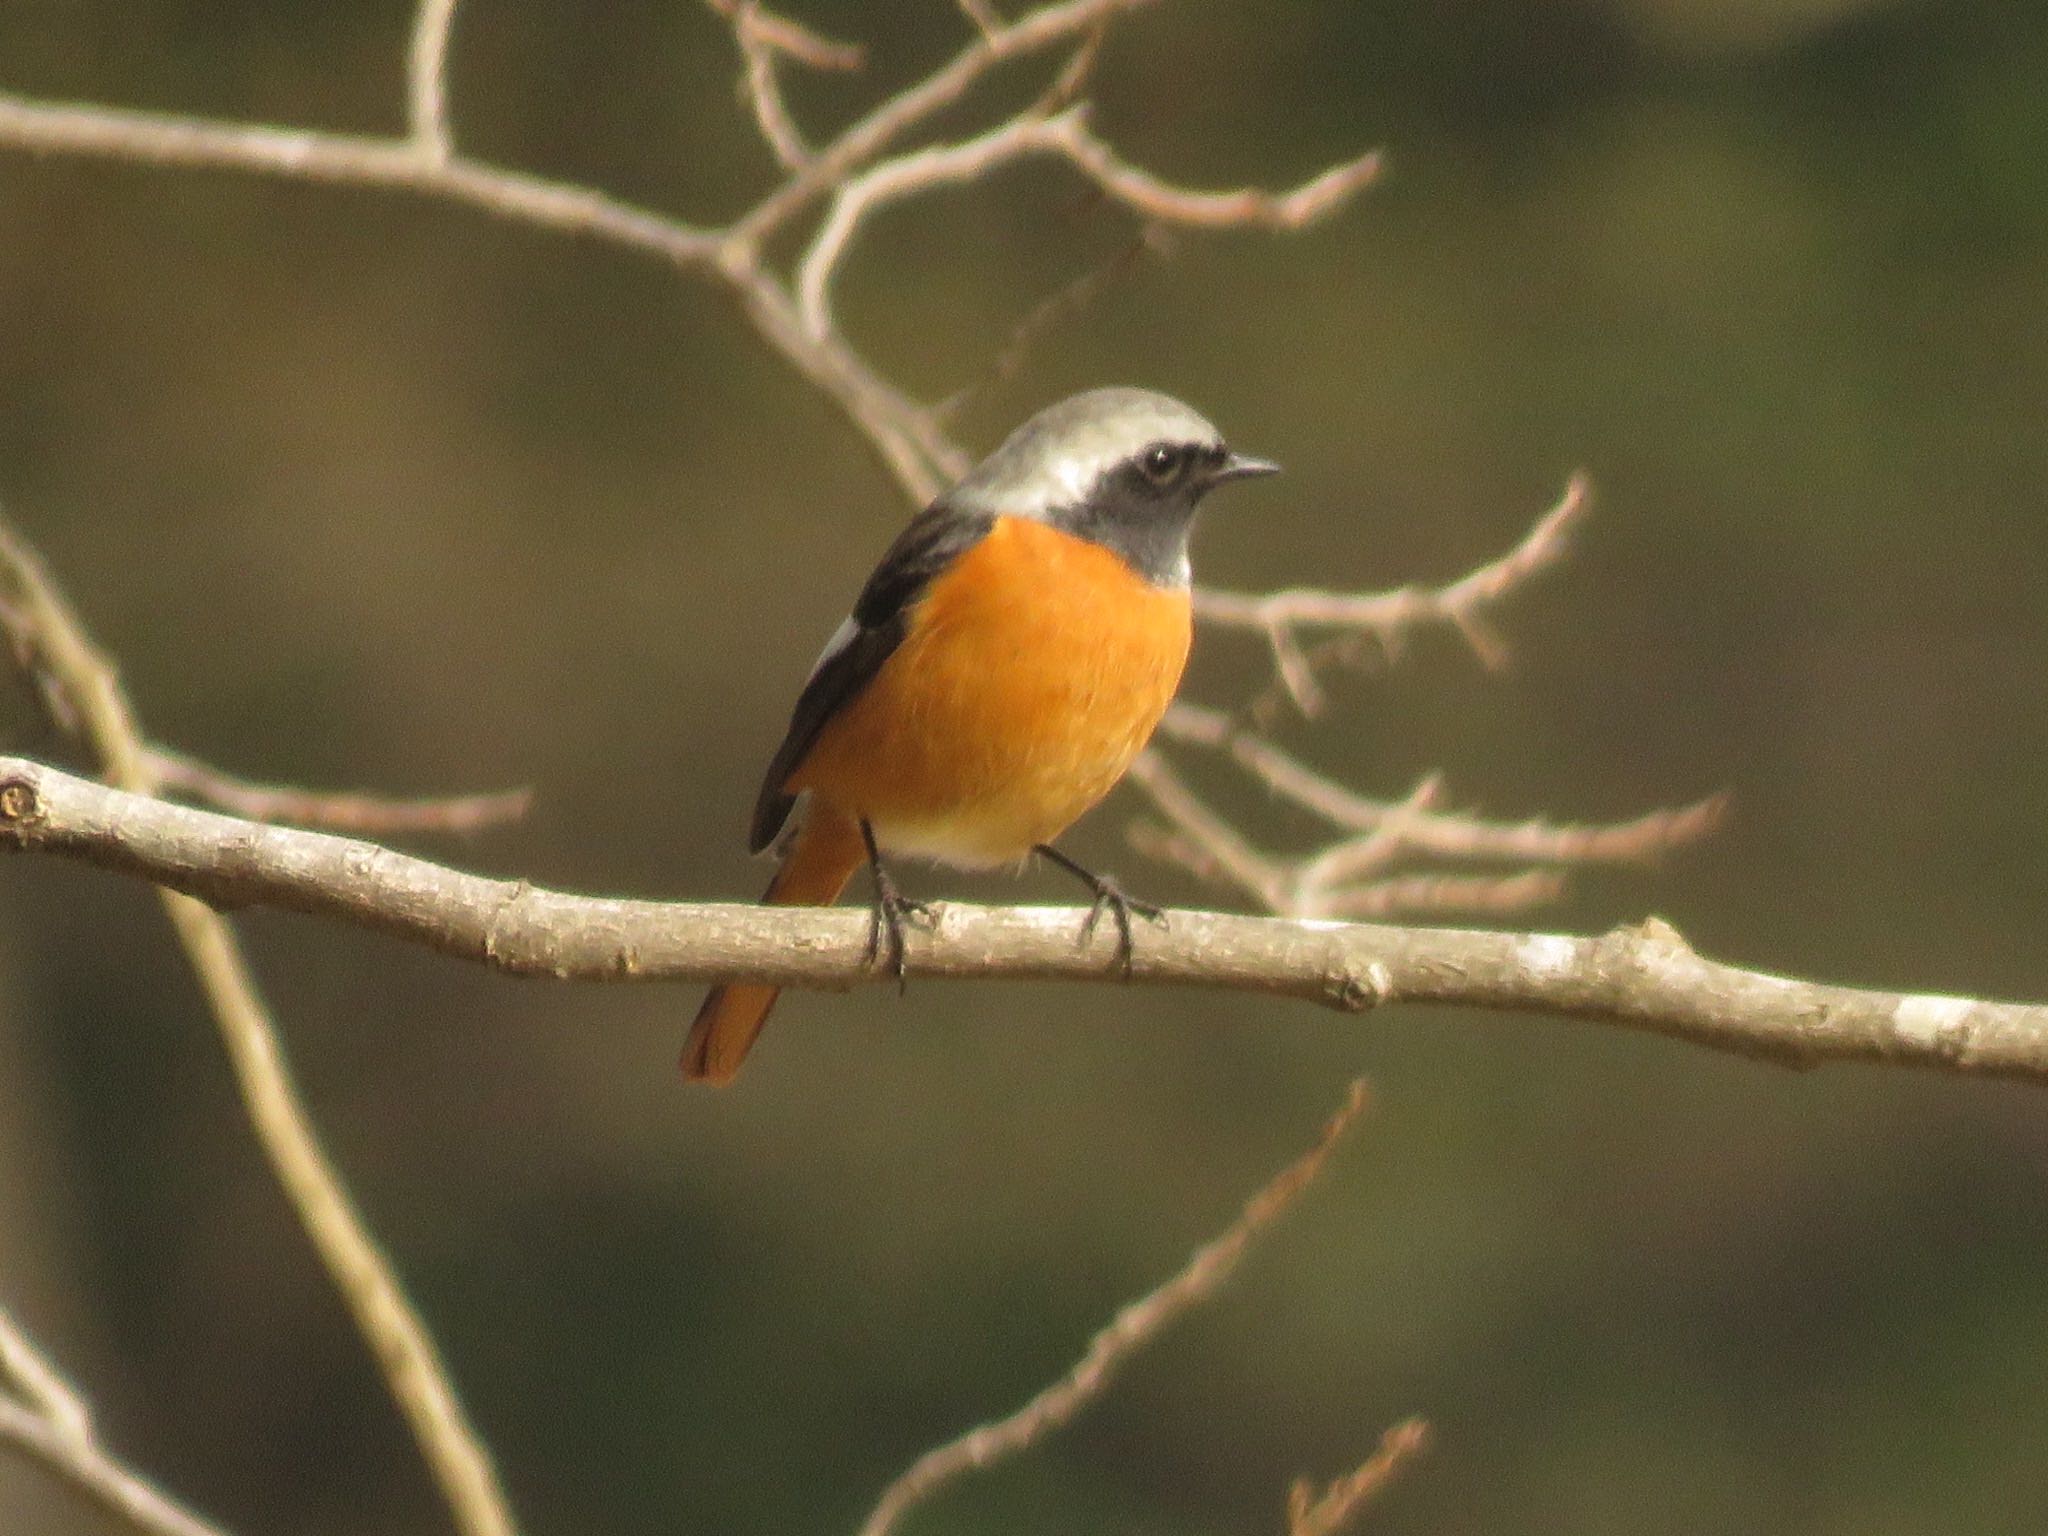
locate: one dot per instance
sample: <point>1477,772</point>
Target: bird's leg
<point>892,909</point>
<point>1110,898</point>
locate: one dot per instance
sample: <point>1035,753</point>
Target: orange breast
<point>1034,670</point>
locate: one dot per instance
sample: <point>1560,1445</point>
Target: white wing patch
<point>842,637</point>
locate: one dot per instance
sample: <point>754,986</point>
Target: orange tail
<point>828,849</point>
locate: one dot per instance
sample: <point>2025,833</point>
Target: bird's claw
<point>891,913</point>
<point>1110,898</point>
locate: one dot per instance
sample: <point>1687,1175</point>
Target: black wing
<point>933,540</point>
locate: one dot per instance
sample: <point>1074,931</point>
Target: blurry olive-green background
<point>364,490</point>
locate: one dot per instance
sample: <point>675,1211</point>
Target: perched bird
<point>1004,664</point>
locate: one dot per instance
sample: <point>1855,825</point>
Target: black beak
<point>1239,466</point>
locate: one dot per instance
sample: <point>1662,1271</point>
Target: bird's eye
<point>1162,463</point>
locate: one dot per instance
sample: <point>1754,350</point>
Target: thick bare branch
<point>43,1417</point>
<point>1644,978</point>
<point>1130,1330</point>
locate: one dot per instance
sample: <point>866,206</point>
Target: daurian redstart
<point>1002,667</point>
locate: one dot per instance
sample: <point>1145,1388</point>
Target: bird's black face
<point>1142,506</point>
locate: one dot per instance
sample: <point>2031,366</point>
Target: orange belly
<point>1033,672</point>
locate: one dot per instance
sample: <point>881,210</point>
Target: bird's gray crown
<point>1057,457</point>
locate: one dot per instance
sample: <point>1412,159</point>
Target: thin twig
<point>23,650</point>
<point>1377,847</point>
<point>1327,1512</point>
<point>1065,133</point>
<point>98,1476</point>
<point>44,1418</point>
<point>26,626</point>
<point>427,79</point>
<point>372,815</point>
<point>1389,617</point>
<point>399,1341</point>
<point>1073,77</point>
<point>1046,27</point>
<point>764,39</point>
<point>792,38</point>
<point>1391,612</point>
<point>904,437</point>
<point>1324,883</point>
<point>1435,895</point>
<point>983,15</point>
<point>1347,878</point>
<point>762,88</point>
<point>1426,829</point>
<point>1408,896</point>
<point>1243,208</point>
<point>1061,305</point>
<point>38,1382</point>
<point>1139,1323</point>
<point>1214,849</point>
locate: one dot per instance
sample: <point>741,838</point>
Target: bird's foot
<point>891,913</point>
<point>1111,898</point>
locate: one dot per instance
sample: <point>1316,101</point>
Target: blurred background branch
<point>1333,1509</point>
<point>81,689</point>
<point>1135,1325</point>
<point>43,1418</point>
<point>185,777</point>
<point>1342,624</point>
